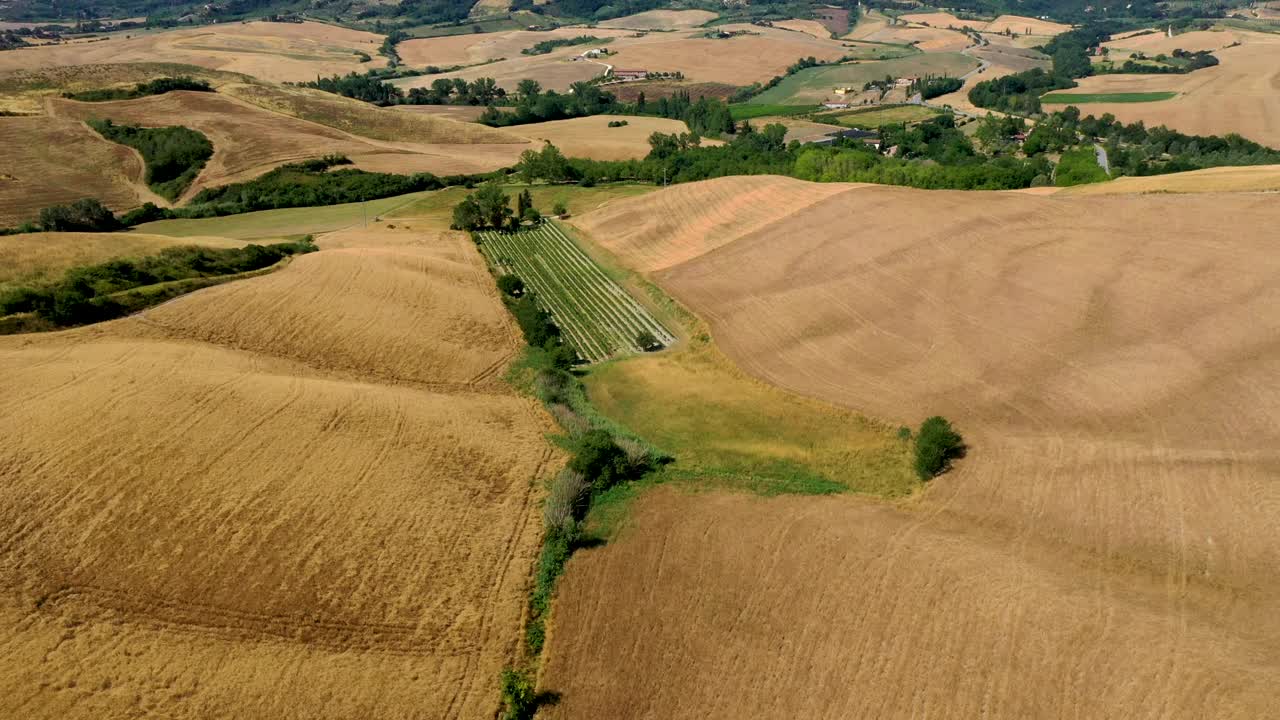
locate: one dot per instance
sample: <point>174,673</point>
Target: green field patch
<point>752,111</point>
<point>812,85</point>
<point>597,316</point>
<point>874,117</point>
<point>1083,98</point>
<point>283,222</point>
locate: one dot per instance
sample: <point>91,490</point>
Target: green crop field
<point>593,311</point>
<point>813,85</point>
<point>874,117</point>
<point>1081,98</point>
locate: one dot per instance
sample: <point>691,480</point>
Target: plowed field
<point>301,495</point>
<point>1107,549</point>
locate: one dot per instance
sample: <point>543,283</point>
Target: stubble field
<point>1112,529</point>
<point>269,500</point>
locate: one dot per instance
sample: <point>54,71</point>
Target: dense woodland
<point>158,86</point>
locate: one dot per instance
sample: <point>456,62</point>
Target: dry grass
<point>301,495</point>
<point>662,20</point>
<point>941,20</point>
<point>739,61</point>
<point>48,161</point>
<point>928,39</point>
<point>1239,95</point>
<point>591,137</point>
<point>482,47</point>
<point>1111,537</point>
<point>271,51</point>
<point>809,27</point>
<point>35,257</point>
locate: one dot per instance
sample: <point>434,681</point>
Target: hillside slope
<point>1108,546</point>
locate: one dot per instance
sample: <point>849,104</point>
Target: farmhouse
<point>627,75</point>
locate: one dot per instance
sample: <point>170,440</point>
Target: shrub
<point>647,342</point>
<point>936,445</point>
<point>566,501</point>
<point>87,215</point>
<point>173,155</point>
<point>599,458</point>
<point>518,698</point>
<point>511,285</point>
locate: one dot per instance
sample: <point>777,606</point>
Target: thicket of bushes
<point>547,46</point>
<point>937,444</point>
<point>158,86</point>
<point>93,293</point>
<point>174,155</point>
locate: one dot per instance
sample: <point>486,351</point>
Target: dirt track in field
<point>1109,547</point>
<point>302,495</point>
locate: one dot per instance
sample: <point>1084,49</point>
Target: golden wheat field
<point>305,494</point>
<point>1237,96</point>
<point>661,20</point>
<point>272,51</point>
<point>1107,549</point>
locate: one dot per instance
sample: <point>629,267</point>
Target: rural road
<point>1101,152</point>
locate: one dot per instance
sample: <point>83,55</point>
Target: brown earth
<point>300,495</point>
<point>1107,549</point>
<point>50,161</point>
<point>277,52</point>
<point>1239,95</point>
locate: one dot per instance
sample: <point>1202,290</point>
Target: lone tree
<point>936,445</point>
<point>511,285</point>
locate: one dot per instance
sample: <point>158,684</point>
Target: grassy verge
<point>1081,98</point>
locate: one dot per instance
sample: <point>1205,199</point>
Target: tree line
<point>159,86</point>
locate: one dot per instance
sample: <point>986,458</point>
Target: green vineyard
<point>593,311</point>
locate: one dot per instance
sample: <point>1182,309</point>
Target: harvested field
<point>221,512</point>
<point>36,257</point>
<point>461,113</point>
<point>249,141</point>
<point>799,130</point>
<point>689,220</point>
<point>1155,43</point>
<point>365,120</point>
<point>928,39</point>
<point>869,23</point>
<point>1257,178</point>
<point>809,27</point>
<point>941,20</point>
<point>591,137</point>
<point>835,20</point>
<point>738,60</point>
<point>1110,538</point>
<point>868,118</point>
<point>814,85</point>
<point>483,47</point>
<point>435,209</point>
<point>272,51</point>
<point>555,71</point>
<point>661,20</point>
<point>655,89</point>
<point>24,91</point>
<point>1025,26</point>
<point>49,161</point>
<point>1239,95</point>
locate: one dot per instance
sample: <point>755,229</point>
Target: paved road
<point>1101,153</point>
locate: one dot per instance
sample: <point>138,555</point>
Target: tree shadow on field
<point>546,698</point>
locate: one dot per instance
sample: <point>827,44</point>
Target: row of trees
<point>159,86</point>
<point>372,88</point>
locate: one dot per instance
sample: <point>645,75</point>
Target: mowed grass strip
<point>1136,97</point>
<point>596,314</point>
